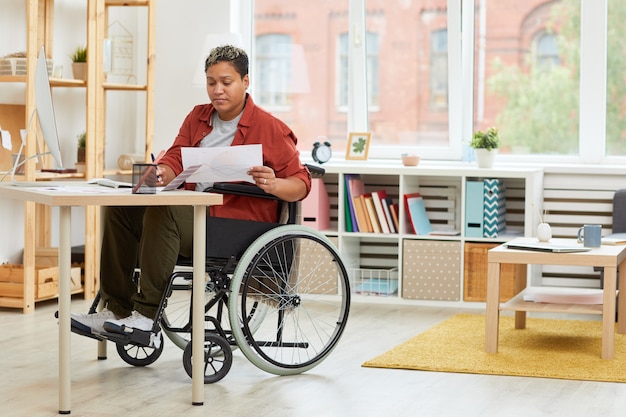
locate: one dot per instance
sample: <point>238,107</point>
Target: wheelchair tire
<point>137,355</point>
<point>218,358</point>
<point>296,274</point>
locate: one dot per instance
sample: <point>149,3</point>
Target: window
<point>616,87</point>
<point>531,90</point>
<point>372,71</point>
<point>547,51</point>
<point>439,70</point>
<point>295,66</point>
<point>273,70</point>
<point>527,78</point>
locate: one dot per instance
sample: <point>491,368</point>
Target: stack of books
<point>367,212</point>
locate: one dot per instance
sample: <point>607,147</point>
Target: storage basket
<point>369,281</point>
<point>17,66</point>
<point>475,274</point>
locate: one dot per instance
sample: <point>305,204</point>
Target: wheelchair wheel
<point>297,276</point>
<point>139,355</point>
<point>218,358</point>
<point>176,320</point>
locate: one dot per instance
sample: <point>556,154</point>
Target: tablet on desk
<point>546,247</point>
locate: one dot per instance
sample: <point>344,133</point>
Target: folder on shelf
<point>315,208</point>
<point>416,212</point>
<point>494,209</point>
<point>474,208</point>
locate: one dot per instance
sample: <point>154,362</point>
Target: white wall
<point>180,41</point>
<point>181,29</point>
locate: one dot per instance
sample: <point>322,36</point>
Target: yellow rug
<point>563,349</point>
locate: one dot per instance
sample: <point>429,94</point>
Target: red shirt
<point>255,126</point>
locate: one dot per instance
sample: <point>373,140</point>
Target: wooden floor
<point>337,387</point>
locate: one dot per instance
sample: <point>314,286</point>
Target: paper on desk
<point>223,163</point>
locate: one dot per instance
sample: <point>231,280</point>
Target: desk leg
<point>621,300</point>
<point>65,259</point>
<point>197,324</point>
<point>608,312</point>
<point>493,307</point>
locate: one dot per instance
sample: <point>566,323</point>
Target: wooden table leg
<point>621,300</point>
<point>608,312</point>
<point>493,307</point>
<point>65,261</point>
<point>197,323</point>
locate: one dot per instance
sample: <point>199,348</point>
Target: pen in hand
<point>156,162</point>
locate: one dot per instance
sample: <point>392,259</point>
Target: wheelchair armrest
<point>239,188</point>
<point>316,171</point>
<point>251,190</point>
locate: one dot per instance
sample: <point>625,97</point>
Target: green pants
<point>150,238</point>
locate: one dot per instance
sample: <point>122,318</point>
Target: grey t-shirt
<point>222,134</point>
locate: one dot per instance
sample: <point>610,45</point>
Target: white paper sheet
<point>223,163</point>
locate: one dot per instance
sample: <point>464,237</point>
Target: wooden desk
<point>68,194</point>
<point>607,257</point>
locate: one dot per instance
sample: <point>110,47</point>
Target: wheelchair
<point>278,292</point>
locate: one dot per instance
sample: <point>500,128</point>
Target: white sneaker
<point>127,325</point>
<point>94,321</point>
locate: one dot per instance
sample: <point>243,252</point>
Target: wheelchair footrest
<point>138,337</point>
<point>83,330</point>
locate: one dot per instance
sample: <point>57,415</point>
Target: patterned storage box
<point>475,274</point>
<point>314,259</point>
<point>431,270</point>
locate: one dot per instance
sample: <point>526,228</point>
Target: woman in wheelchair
<point>154,237</point>
<point>283,286</point>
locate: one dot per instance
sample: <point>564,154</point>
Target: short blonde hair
<point>228,53</point>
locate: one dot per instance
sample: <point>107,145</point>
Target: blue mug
<point>590,235</point>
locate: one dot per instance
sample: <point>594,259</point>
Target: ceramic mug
<point>590,235</point>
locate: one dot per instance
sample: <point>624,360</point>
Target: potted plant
<point>81,151</point>
<point>79,63</point>
<point>486,145</point>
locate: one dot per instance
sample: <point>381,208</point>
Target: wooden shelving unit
<point>37,219</point>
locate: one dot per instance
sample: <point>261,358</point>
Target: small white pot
<point>485,157</point>
<point>544,232</point>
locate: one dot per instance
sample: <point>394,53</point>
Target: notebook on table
<point>546,247</point>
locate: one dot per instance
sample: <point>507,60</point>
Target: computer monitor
<point>45,110</point>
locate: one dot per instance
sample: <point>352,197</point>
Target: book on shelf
<point>614,239</point>
<point>371,211</point>
<point>416,213</point>
<point>349,213</point>
<point>387,203</point>
<point>362,218</point>
<point>394,215</point>
<point>354,188</point>
<point>377,197</point>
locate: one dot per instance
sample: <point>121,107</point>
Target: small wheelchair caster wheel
<point>139,355</point>
<point>218,358</point>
